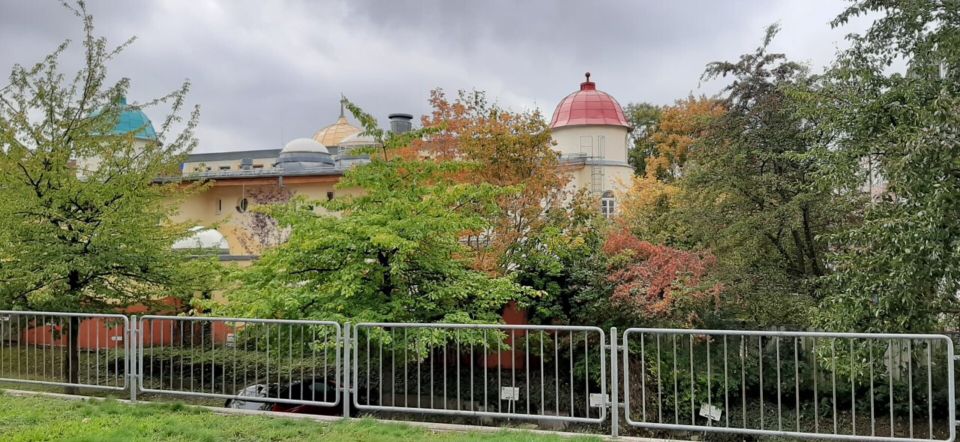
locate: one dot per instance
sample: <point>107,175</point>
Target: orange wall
<point>108,333</point>
<point>510,359</point>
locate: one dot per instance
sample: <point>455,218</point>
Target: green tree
<point>644,118</point>
<point>750,190</point>
<point>85,226</point>
<point>392,253</point>
<point>899,270</point>
<point>564,259</point>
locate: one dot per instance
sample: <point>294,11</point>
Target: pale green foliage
<point>900,269</point>
<point>392,253</point>
<point>96,242</point>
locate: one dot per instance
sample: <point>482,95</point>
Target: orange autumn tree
<point>679,128</point>
<point>647,208</point>
<point>661,284</point>
<point>510,149</point>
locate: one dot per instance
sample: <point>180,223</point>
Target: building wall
<point>606,142</point>
<point>595,150</point>
<point>217,205</point>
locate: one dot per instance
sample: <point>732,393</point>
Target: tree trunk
<point>384,260</point>
<point>811,244</point>
<point>801,253</point>
<point>72,361</point>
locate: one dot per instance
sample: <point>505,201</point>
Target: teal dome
<point>134,120</point>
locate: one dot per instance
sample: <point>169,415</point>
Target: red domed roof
<point>588,106</point>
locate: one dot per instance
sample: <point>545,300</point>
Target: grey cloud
<point>265,72</point>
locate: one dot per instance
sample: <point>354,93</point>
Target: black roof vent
<point>400,123</point>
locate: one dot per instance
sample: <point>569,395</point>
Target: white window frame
<point>608,204</point>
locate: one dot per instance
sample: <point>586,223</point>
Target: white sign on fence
<point>710,412</point>
<point>598,400</point>
<point>510,393</point>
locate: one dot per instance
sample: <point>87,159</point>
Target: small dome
<point>132,119</point>
<point>303,153</point>
<point>358,140</point>
<point>304,145</point>
<point>335,133</point>
<point>588,106</point>
<point>204,240</point>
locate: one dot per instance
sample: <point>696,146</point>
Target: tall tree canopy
<point>85,225</point>
<point>643,117</point>
<point>899,270</point>
<point>756,158</point>
<point>736,176</point>
<point>679,127</point>
<point>508,149</point>
<point>393,253</point>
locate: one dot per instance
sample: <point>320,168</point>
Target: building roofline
<point>255,173</point>
<point>235,155</point>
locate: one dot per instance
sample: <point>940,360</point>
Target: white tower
<point>592,133</point>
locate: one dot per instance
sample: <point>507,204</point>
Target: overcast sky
<point>265,72</point>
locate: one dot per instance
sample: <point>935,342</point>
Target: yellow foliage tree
<point>679,127</point>
<point>509,149</point>
<point>645,208</point>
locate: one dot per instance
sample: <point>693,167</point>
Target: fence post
<point>131,357</point>
<point>346,371</point>
<point>614,384</point>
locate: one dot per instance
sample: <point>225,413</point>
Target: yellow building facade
<point>238,181</point>
<point>590,131</point>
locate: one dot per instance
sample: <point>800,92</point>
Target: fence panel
<point>511,371</point>
<point>35,348</point>
<point>251,360</point>
<point>794,384</point>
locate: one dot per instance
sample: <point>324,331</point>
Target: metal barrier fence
<point>64,349</point>
<point>251,360</point>
<point>841,386</point>
<point>507,371</point>
<point>838,386</point>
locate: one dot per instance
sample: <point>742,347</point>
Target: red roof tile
<point>588,106</point>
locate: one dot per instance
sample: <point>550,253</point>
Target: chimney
<point>400,123</point>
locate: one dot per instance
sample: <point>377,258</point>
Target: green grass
<point>47,419</point>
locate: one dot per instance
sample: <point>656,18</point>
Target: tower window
<point>586,146</point>
<point>608,204</point>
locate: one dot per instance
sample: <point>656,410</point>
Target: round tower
<point>591,133</point>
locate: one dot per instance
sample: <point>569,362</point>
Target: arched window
<point>608,204</point>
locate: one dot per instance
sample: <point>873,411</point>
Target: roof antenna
<point>588,77</point>
<point>343,101</point>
